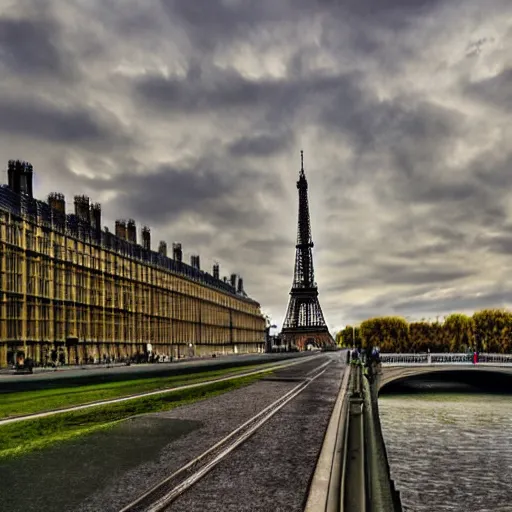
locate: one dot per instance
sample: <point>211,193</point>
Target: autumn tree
<point>492,330</point>
<point>348,337</point>
<point>489,330</point>
<point>389,333</point>
<point>458,332</point>
<point>422,336</point>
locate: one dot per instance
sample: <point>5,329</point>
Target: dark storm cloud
<point>170,191</point>
<point>380,305</point>
<point>500,244</point>
<point>371,6</point>
<point>32,47</point>
<point>492,170</point>
<point>158,195</point>
<point>347,284</point>
<point>166,193</point>
<point>43,121</point>
<point>496,90</point>
<point>442,192</point>
<point>226,91</point>
<point>260,145</point>
<point>262,245</point>
<point>433,250</point>
<point>216,22</point>
<point>417,274</point>
<point>460,302</point>
<point>413,273</point>
<point>215,15</point>
<point>411,130</point>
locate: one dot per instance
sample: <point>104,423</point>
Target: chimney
<point>121,229</point>
<point>11,175</point>
<point>216,271</point>
<point>177,253</point>
<point>233,280</point>
<point>57,202</point>
<point>225,279</point>
<point>95,220</point>
<point>194,261</point>
<point>162,248</point>
<point>146,238</point>
<point>240,288</point>
<point>19,176</point>
<point>58,206</point>
<point>131,231</point>
<point>82,208</point>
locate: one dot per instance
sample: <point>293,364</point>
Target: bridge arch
<point>467,378</point>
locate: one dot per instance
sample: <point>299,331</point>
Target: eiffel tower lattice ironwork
<point>304,323</point>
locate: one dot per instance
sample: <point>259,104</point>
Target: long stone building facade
<point>74,292</point>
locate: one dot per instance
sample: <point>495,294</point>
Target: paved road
<point>272,471</point>
<point>90,375</point>
<point>106,470</point>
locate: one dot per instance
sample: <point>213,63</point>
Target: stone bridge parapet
<point>353,472</point>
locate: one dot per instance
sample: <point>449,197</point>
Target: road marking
<point>319,368</point>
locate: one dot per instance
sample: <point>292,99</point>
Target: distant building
<point>74,292</point>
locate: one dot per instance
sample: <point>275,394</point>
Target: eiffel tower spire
<point>304,322</point>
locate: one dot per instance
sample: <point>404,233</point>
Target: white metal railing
<point>495,358</point>
<point>443,358</point>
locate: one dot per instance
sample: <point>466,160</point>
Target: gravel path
<point>104,471</point>
<point>273,469</point>
<point>219,416</point>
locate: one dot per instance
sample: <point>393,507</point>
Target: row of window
<point>110,293</point>
<point>57,245</point>
<point>175,308</point>
<point>115,329</point>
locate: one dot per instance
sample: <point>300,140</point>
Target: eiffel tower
<point>304,323</point>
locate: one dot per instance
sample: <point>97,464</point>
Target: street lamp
<point>269,326</point>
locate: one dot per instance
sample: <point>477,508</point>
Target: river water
<point>450,451</point>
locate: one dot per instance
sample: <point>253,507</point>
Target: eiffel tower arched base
<point>300,340</point>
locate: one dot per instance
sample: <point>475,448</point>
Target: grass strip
<point>28,402</point>
<point>20,438</point>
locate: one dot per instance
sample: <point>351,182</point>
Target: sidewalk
<point>101,366</point>
<point>8,371</point>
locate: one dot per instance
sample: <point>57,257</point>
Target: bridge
<point>353,471</point>
<point>400,366</point>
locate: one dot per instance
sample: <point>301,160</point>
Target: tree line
<point>489,330</point>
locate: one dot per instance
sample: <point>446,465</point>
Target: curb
<point>324,493</point>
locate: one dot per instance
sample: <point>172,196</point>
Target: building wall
<point>61,294</point>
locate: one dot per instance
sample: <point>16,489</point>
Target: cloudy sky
<point>189,116</point>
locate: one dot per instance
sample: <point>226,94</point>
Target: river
<point>450,451</point>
